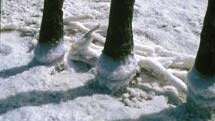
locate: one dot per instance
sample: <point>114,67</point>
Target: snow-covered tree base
<point>201,90</point>
<point>47,54</point>
<point>115,74</point>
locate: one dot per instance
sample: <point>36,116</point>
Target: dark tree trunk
<point>119,40</point>
<point>51,30</point>
<point>205,61</point>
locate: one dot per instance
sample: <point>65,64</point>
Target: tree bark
<point>119,40</point>
<point>51,30</point>
<point>205,60</point>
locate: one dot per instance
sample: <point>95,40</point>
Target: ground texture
<point>32,92</point>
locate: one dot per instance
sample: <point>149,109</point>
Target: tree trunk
<point>205,61</point>
<point>119,40</point>
<point>51,30</point>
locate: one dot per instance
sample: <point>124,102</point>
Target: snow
<point>45,54</point>
<point>159,71</point>
<point>115,74</point>
<point>31,92</point>
<point>201,86</point>
<point>166,36</point>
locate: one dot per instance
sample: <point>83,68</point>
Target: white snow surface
<point>30,92</point>
<point>173,24</point>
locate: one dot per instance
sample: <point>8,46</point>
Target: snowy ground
<point>30,92</point>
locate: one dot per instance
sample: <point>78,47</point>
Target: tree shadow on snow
<point>164,115</point>
<point>17,70</point>
<point>179,113</point>
<point>80,67</point>
<point>172,114</point>
<point>37,98</point>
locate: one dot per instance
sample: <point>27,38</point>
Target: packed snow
<point>166,36</point>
